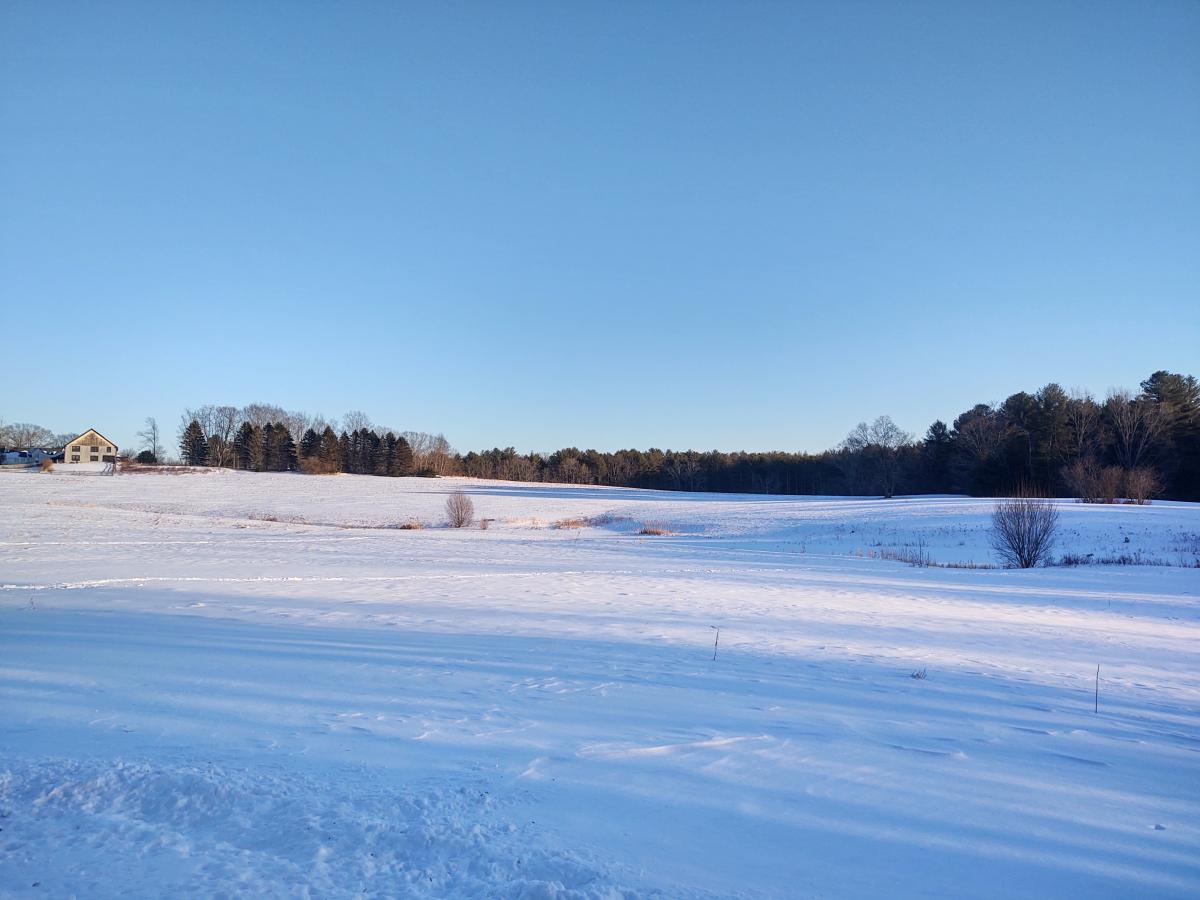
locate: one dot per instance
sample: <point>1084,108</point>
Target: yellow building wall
<point>89,447</point>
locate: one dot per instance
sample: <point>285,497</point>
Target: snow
<point>222,683</point>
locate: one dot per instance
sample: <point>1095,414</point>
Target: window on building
<point>74,457</point>
<point>108,449</point>
<point>75,449</point>
<point>95,458</point>
<point>96,449</point>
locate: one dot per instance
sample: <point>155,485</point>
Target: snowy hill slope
<point>227,682</point>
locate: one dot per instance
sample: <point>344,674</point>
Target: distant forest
<point>1127,446</point>
<point>1135,446</point>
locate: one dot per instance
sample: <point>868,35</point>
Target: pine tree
<point>344,453</point>
<point>402,458</point>
<point>387,452</point>
<point>258,448</point>
<point>192,445</point>
<point>243,447</point>
<point>331,451</point>
<point>310,444</point>
<point>353,453</point>
<point>280,449</point>
<point>267,459</point>
<point>371,451</point>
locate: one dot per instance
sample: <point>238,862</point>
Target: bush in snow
<point>1023,531</point>
<point>459,509</point>
<point>1141,484</point>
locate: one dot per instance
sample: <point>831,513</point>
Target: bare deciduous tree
<point>151,439</point>
<point>517,468</point>
<point>431,452</point>
<point>460,511</point>
<point>1083,423</point>
<point>1137,424</point>
<point>356,420</point>
<point>881,443</point>
<point>1023,530</point>
<point>297,422</point>
<point>685,471</point>
<point>980,433</point>
<point>260,415</point>
<point>26,436</point>
<point>219,424</point>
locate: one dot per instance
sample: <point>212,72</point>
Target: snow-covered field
<point>227,684</point>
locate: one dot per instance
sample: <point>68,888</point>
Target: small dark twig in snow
<point>716,640</point>
<point>1097,707</point>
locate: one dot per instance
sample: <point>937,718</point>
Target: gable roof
<point>107,442</point>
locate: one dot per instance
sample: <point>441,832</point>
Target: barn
<point>91,446</point>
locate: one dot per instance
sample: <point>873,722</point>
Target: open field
<point>224,683</point>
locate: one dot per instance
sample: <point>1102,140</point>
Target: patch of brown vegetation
<point>654,529</point>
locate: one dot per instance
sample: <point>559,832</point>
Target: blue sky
<point>734,225</point>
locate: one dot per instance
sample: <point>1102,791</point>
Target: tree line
<point>1048,442</point>
<point>262,437</point>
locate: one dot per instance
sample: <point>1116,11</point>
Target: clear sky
<point>734,225</point>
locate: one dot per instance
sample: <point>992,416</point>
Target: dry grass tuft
<point>654,529</point>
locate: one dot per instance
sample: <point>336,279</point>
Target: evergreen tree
<point>402,458</point>
<point>267,448</point>
<point>258,448</point>
<point>387,453</point>
<point>243,447</point>
<point>344,453</point>
<point>331,451</point>
<point>310,444</point>
<point>192,445</point>
<point>280,448</point>
<point>371,451</point>
<point>936,452</point>
<point>1179,398</point>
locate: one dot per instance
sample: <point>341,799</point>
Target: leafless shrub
<point>460,511</point>
<point>1108,484</point>
<point>1023,531</point>
<point>654,528</point>
<point>47,465</point>
<point>1141,484</point>
<point>914,554</point>
<point>411,525</point>
<point>485,524</point>
<point>562,524</point>
<point>1093,483</point>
